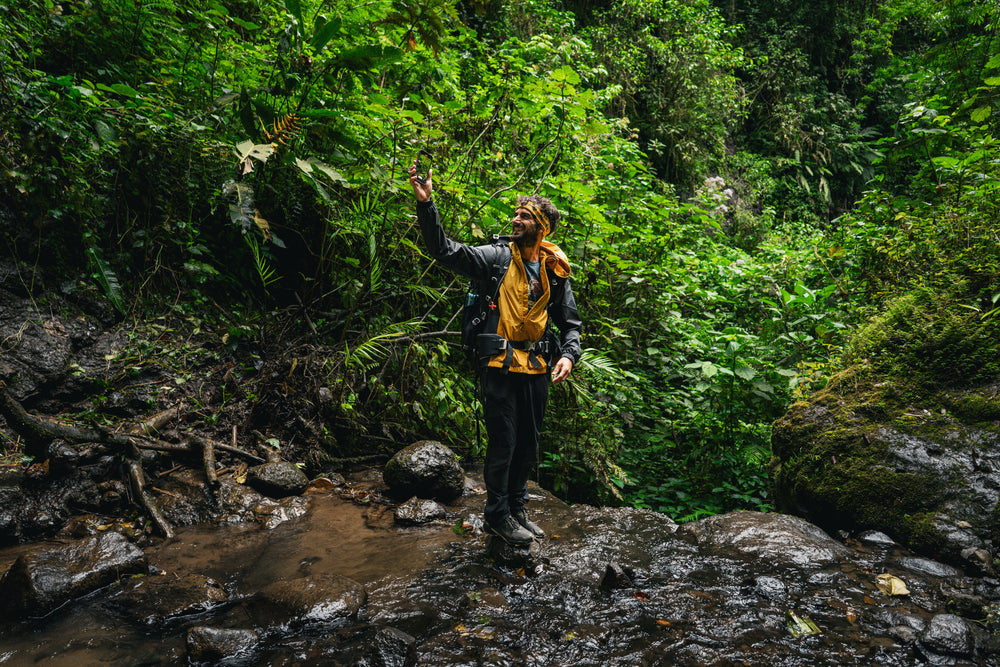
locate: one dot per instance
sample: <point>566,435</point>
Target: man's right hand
<point>423,190</point>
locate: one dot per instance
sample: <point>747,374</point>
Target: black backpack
<point>480,306</point>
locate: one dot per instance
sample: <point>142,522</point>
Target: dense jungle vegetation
<point>744,185</point>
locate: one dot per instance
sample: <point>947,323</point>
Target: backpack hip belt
<point>490,345</point>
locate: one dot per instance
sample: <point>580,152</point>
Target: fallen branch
<point>208,458</point>
<point>138,483</point>
<point>155,423</point>
<point>218,446</point>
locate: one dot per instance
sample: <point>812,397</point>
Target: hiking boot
<point>522,518</point>
<point>510,531</point>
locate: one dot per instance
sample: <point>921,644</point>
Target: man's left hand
<point>562,369</point>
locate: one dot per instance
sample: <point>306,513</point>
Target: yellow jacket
<point>520,320</point>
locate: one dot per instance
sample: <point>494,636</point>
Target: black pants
<point>514,405</point>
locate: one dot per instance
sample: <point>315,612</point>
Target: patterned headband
<point>541,219</point>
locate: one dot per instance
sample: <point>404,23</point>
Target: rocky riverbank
<point>349,577</point>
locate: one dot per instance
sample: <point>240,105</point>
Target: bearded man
<point>520,356</point>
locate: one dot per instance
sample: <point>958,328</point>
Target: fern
<point>283,128</point>
<point>602,367</point>
<point>375,349</point>
<point>265,271</point>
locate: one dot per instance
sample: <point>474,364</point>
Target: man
<point>516,379</point>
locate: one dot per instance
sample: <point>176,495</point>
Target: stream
<point>608,586</point>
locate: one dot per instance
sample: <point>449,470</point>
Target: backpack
<point>481,302</point>
<point>480,313</point>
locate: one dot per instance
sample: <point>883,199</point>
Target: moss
<point>928,334</point>
<point>975,407</point>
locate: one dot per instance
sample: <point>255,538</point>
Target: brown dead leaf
<point>640,596</point>
<point>320,485</point>
<point>663,623</point>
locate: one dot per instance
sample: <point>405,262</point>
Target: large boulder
<point>777,538</point>
<point>48,576</point>
<point>426,469</point>
<point>923,468</point>
<point>152,600</point>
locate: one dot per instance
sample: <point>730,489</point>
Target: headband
<point>541,219</point>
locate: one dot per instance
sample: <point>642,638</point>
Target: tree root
<point>39,432</point>
<point>137,482</point>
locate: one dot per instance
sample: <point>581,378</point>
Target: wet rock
<point>770,588</point>
<point>42,579</point>
<point>854,456</point>
<point>979,560</point>
<point>782,539</point>
<point>947,635</point>
<point>154,599</point>
<point>965,603</point>
<point>191,502</point>
<point>272,513</point>
<point>616,576</point>
<point>210,644</point>
<point>326,599</point>
<point>335,478</point>
<point>86,525</point>
<point>277,479</point>
<point>512,555</point>
<point>392,648</point>
<point>62,457</point>
<point>10,522</point>
<point>415,512</point>
<point>928,567</point>
<point>486,598</point>
<point>876,538</point>
<point>426,469</point>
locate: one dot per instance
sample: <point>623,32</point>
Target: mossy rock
<point>865,454</point>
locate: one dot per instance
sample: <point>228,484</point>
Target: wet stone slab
<point>613,587</point>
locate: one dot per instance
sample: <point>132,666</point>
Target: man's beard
<point>526,239</point>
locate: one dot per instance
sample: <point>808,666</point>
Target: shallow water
<point>689,603</point>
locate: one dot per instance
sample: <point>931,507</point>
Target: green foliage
<point>671,66</point>
<point>929,336</point>
<point>254,156</point>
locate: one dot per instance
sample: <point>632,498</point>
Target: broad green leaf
<point>312,165</point>
<point>746,373</point>
<point>566,74</point>
<point>980,114</point>
<point>325,33</point>
<point>246,149</point>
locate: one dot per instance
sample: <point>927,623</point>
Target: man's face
<point>524,228</point>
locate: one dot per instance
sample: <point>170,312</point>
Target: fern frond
<point>600,365</point>
<point>375,349</point>
<point>283,128</point>
<point>265,271</point>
